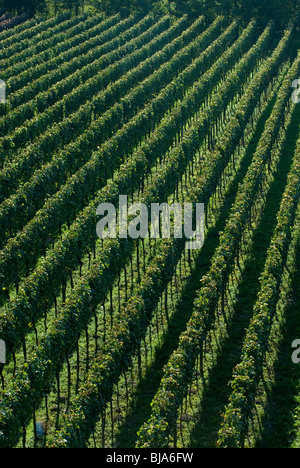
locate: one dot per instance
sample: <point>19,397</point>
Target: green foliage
<point>149,66</point>
<point>21,6</point>
<point>246,9</point>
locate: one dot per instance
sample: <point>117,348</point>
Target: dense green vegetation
<point>140,342</point>
<point>276,9</point>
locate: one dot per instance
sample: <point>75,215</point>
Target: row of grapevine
<point>64,322</point>
<point>119,114</point>
<point>247,373</point>
<point>180,367</point>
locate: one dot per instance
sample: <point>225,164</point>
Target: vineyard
<point>141,343</point>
